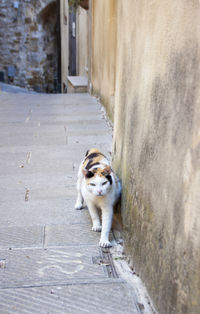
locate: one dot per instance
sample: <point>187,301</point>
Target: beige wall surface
<point>156,138</point>
<point>104,51</point>
<point>82,42</point>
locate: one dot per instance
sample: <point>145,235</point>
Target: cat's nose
<point>100,191</point>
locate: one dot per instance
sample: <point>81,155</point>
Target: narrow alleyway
<point>50,261</point>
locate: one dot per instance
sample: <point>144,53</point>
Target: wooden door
<point>72,41</point>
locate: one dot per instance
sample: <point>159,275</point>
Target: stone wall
<point>28,43</point>
<point>156,144</point>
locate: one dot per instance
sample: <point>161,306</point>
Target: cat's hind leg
<point>79,201</point>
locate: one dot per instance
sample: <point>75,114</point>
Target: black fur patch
<point>89,175</point>
<point>90,164</point>
<point>109,178</point>
<point>87,153</point>
<point>90,156</point>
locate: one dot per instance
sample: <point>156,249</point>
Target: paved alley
<point>50,261</point>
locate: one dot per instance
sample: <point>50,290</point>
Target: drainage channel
<point>105,260</point>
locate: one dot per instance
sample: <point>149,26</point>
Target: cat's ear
<point>88,174</point>
<point>87,153</point>
<point>106,171</point>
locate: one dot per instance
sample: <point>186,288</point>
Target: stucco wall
<point>82,42</point>
<point>156,144</point>
<point>104,51</point>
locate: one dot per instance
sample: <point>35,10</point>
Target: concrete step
<point>77,84</point>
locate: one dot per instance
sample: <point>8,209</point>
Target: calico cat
<point>99,188</point>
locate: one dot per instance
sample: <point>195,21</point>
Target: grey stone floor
<point>50,261</point>
<point>10,88</point>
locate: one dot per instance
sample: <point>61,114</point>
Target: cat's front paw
<point>96,228</point>
<point>105,243</point>
<point>78,206</point>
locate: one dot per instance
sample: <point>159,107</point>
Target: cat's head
<point>98,181</point>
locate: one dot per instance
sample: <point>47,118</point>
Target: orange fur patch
<point>94,158</point>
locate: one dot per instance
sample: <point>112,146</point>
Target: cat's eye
<point>92,184</point>
<point>104,183</point>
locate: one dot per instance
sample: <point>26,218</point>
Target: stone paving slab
<point>49,235</point>
<point>29,191</point>
<point>8,130</point>
<point>74,151</point>
<point>92,141</point>
<point>81,123</point>
<point>46,166</point>
<point>62,118</point>
<point>41,212</point>
<point>13,118</point>
<point>14,89</point>
<point>30,266</point>
<point>32,160</point>
<point>62,235</point>
<point>64,193</point>
<point>21,237</point>
<point>24,138</point>
<point>67,109</point>
<point>47,100</point>
<point>37,180</point>
<point>71,129</point>
<point>79,298</point>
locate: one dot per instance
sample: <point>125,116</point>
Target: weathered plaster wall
<point>104,51</point>
<point>82,42</point>
<point>28,43</point>
<point>157,146</point>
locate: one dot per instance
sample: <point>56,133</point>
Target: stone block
<point>33,28</point>
<point>62,235</point>
<point>18,237</point>
<point>50,56</point>
<point>14,51</point>
<point>37,265</point>
<point>113,297</point>
<point>28,20</point>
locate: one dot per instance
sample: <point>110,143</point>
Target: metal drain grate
<point>105,260</point>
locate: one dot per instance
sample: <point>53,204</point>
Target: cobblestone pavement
<point>50,261</point>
